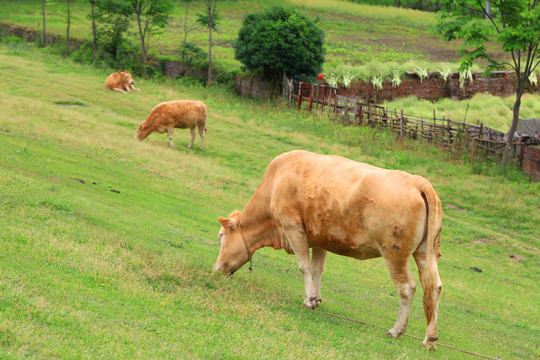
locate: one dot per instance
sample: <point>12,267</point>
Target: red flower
<point>320,76</point>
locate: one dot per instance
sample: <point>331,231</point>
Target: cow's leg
<point>405,285</point>
<point>431,282</point>
<point>201,135</point>
<point>120,90</point>
<point>192,131</point>
<point>297,239</point>
<point>318,258</point>
<point>170,131</point>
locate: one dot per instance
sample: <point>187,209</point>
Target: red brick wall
<point>434,88</point>
<point>531,161</point>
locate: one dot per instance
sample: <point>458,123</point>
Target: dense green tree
<point>280,41</point>
<point>515,24</point>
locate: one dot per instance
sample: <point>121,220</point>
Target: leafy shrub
<point>280,40</point>
<point>192,55</point>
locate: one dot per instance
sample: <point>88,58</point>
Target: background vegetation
<point>362,41</point>
<point>107,244</point>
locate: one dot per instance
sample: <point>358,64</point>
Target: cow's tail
<point>429,273</point>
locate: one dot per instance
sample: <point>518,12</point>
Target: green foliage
<point>193,55</point>
<point>204,20</point>
<point>280,40</point>
<point>513,23</point>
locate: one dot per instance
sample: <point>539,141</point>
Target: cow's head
<point>127,78</point>
<point>142,132</point>
<point>233,253</point>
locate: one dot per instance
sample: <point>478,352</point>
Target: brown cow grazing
<point>120,81</point>
<point>330,203</point>
<point>179,114</point>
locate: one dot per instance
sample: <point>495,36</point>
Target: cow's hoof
<point>430,343</point>
<point>319,300</point>
<point>394,333</point>
<point>189,147</point>
<point>310,303</point>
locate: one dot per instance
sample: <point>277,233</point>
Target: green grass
<point>86,272</point>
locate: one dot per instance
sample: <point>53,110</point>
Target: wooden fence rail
<point>352,111</point>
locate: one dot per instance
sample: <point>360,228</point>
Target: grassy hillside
<point>119,266</point>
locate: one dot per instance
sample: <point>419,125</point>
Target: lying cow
<point>181,114</point>
<point>330,203</point>
<point>120,81</point>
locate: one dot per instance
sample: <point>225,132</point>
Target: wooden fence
<point>352,111</point>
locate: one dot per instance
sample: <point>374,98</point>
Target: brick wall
<point>252,87</point>
<point>501,83</point>
<point>176,68</point>
<point>531,161</point>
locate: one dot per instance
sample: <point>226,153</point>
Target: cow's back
<point>179,113</point>
<point>347,207</point>
<point>114,80</point>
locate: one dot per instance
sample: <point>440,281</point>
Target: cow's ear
<point>229,224</point>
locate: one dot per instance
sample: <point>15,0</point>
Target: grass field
<point>88,272</point>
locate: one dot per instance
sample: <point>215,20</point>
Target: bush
<point>192,55</point>
<point>279,41</point>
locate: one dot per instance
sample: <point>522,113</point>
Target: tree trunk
<point>209,83</point>
<point>185,22</point>
<point>142,42</point>
<point>68,26</point>
<point>508,153</point>
<point>43,36</point>
<point>210,23</point>
<point>93,3</point>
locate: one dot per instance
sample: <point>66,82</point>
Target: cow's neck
<point>257,224</point>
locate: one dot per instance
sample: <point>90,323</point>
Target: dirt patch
<point>487,240</point>
<point>455,207</point>
<point>515,258</point>
<point>67,104</point>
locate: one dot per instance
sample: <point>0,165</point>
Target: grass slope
<point>86,272</point>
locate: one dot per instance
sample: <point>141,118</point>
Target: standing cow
<point>330,203</point>
<point>181,114</point>
<point>120,81</point>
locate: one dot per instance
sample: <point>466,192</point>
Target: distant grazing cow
<point>330,203</point>
<point>181,114</point>
<point>120,81</point>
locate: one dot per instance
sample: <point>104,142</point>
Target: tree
<point>152,16</point>
<point>113,19</point>
<point>210,19</point>
<point>68,18</point>
<point>280,41</point>
<point>513,23</point>
<point>93,17</point>
<point>63,7</point>
<point>43,33</point>
<point>187,29</point>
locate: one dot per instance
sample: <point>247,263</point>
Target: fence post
<point>402,129</point>
<point>300,95</point>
